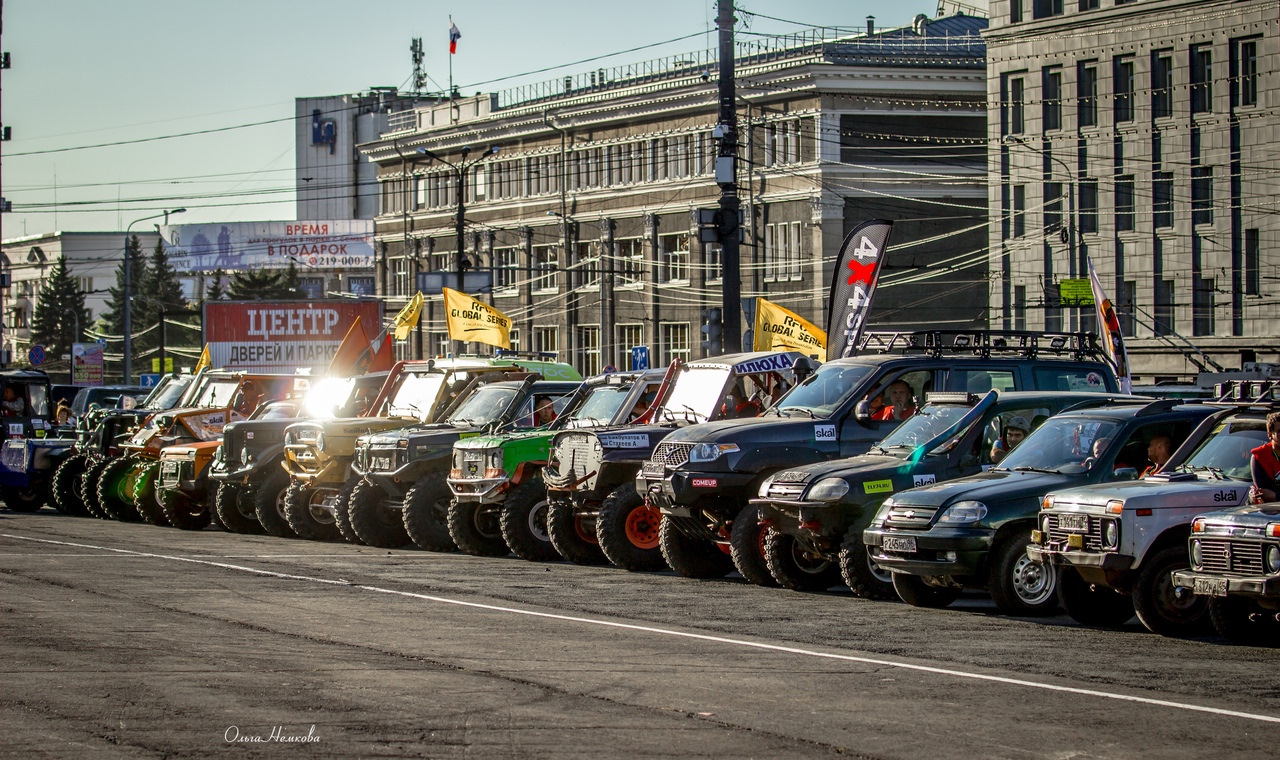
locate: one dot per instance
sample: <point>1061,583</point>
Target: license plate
<point>651,469</point>
<point>905,545</point>
<point>1075,522</point>
<point>169,468</point>
<point>15,457</point>
<point>381,463</point>
<point>1210,586</point>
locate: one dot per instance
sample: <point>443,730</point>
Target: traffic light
<point>712,332</point>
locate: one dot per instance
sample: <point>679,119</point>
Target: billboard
<point>280,336</point>
<point>86,363</point>
<point>239,246</point>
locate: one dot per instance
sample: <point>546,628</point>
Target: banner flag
<point>779,328</point>
<point>473,320</point>
<point>407,318</point>
<point>853,283</point>
<point>1109,332</point>
<point>357,354</point>
<point>454,36</point>
<point>205,362</point>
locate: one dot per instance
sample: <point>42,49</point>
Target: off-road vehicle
<point>30,454</point>
<point>703,477</point>
<point>974,532</point>
<point>1114,546</point>
<point>505,471</point>
<point>816,514</point>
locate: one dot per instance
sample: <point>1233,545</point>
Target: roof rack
<point>1247,392</point>
<point>984,343</point>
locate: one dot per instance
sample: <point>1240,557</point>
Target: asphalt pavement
<point>126,640</point>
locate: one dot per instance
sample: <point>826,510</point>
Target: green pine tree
<point>161,294</point>
<point>113,319</point>
<point>60,315</point>
<point>216,291</point>
<point>263,285</point>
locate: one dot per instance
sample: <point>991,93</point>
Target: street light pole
<point>1072,223</point>
<point>128,293</point>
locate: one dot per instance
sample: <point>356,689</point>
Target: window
<point>1015,11</point>
<point>1088,205</point>
<point>1124,203</point>
<point>1087,94</point>
<point>1162,199</point>
<point>1088,5</point>
<point>1051,103</point>
<point>1052,205</point>
<point>1202,303</point>
<point>979,380</point>
<point>630,261</point>
<point>1165,309</point>
<point>629,336</point>
<point>674,341</point>
<point>1252,272</point>
<point>588,261</point>
<point>1245,65</point>
<point>1122,76</point>
<point>1201,78</point>
<point>793,264</point>
<point>1126,297</point>
<point>360,286</point>
<point>1046,8</point>
<point>438,343</point>
<point>1016,96</point>
<point>589,351</point>
<point>1202,195</point>
<point>1019,210</point>
<point>1161,84</point>
<point>312,287</point>
<point>546,340</point>
<point>400,273</point>
<point>673,255</point>
<point>506,264</point>
<point>546,260</point>
<point>715,271</point>
<point>1020,307</point>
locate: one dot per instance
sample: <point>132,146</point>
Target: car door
<point>856,436</point>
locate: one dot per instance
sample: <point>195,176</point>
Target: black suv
<point>702,477</point>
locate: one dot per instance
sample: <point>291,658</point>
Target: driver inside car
<point>899,403</point>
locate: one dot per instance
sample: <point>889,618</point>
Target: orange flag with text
<point>357,355</point>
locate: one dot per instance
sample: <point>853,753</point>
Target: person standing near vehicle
<point>1265,463</point>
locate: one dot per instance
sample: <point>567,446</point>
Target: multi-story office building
<point>584,216</point>
<point>1141,134</point>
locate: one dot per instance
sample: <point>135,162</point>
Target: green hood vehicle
<point>502,474</point>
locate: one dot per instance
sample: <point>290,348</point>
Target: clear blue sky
<point>88,72</point>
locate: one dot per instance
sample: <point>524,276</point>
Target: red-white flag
<point>1109,332</point>
<point>454,36</point>
<point>357,354</point>
<point>853,283</point>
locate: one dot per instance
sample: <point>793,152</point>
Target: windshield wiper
<point>804,409</point>
<point>1025,468</point>
<point>879,448</point>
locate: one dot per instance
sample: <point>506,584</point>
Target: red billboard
<point>283,335</point>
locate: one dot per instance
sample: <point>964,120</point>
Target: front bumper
<point>1266,587</point>
<point>1107,569</point>
<point>482,490</point>
<point>970,546</point>
<point>677,491</point>
<point>818,519</point>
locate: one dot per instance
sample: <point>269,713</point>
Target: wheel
<point>795,567</point>
<point>1158,607</point>
<point>861,574</point>
<point>1091,605</point>
<point>25,499</point>
<point>913,590</point>
<point>746,545</point>
<point>115,489</point>
<point>524,522</point>
<point>426,514</point>
<point>62,486</point>
<point>306,517</point>
<point>373,519</point>
<point>573,535</point>
<point>144,494</point>
<point>268,504</point>
<point>628,531</point>
<point>87,487</point>
<point>235,511</point>
<point>691,557</point>
<point>1019,585</point>
<point>476,529</point>
<point>342,512</point>
<point>183,511</point>
<point>1241,621</point>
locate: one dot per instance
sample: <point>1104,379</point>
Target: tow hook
<point>1180,592</point>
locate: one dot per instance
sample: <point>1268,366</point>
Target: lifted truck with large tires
<point>1114,546</point>
<point>505,471</point>
<point>703,477</point>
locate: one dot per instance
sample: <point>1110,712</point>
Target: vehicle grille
<point>1226,556</point>
<point>383,459</point>
<point>469,463</point>
<point>907,516</point>
<point>786,491</point>
<point>672,454</point>
<point>231,450</point>
<point>1092,537</point>
<point>576,456</point>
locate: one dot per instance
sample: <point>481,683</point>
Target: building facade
<point>1139,135</point>
<point>585,218</point>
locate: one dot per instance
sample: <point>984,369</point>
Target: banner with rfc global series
<point>238,246</point>
<point>280,336</point>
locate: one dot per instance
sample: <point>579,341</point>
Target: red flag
<point>357,355</point>
<point>454,36</point>
<point>853,283</point>
<point>1109,332</point>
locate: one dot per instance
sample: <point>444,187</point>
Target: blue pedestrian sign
<point>639,357</point>
<point>36,355</point>
<point>149,380</point>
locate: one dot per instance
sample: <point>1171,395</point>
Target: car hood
<point>988,487</point>
<point>755,431</point>
<point>1159,494</point>
<point>852,469</point>
<point>1246,516</point>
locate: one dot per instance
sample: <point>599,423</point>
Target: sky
<point>88,72</point>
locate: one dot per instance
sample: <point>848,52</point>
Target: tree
<point>216,291</point>
<point>162,295</point>
<point>60,314</point>
<point>262,285</point>
<point>113,319</point>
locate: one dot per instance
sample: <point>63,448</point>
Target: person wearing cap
<point>1015,429</point>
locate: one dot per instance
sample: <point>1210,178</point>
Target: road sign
<point>149,380</point>
<point>639,357</point>
<point>36,355</point>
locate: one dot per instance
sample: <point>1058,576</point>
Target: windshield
<point>1228,448</point>
<point>1063,441</point>
<point>326,396</point>
<point>217,393</point>
<point>600,406</point>
<point>695,395</point>
<point>927,423</point>
<point>415,396</point>
<point>825,390</point>
<point>483,406</point>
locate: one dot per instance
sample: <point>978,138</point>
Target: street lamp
<point>460,170</point>
<point>1071,228</point>
<point>128,292</point>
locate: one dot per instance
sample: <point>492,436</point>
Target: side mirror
<point>862,411</point>
<point>1125,473</point>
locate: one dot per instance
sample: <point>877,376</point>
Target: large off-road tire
<point>573,535</point>
<point>629,532</point>
<point>268,504</point>
<point>477,529</point>
<point>524,522</point>
<point>793,566</point>
<point>1241,621</point>
<point>861,574</point>
<point>914,591</point>
<point>692,557</point>
<point>1018,584</point>
<point>1158,607</point>
<point>115,489</point>
<point>234,511</point>
<point>87,488</point>
<point>373,519</point>
<point>307,519</point>
<point>426,514</point>
<point>25,499</point>
<point>1091,605</point>
<point>746,544</point>
<point>144,494</point>
<point>184,512</point>
<point>342,512</point>
<point>62,486</point>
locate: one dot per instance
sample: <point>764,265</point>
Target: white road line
<point>689,635</point>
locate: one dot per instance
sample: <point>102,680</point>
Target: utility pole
<point>726,178</point>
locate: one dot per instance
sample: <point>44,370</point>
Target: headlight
<point>710,452</point>
<point>828,489</point>
<point>764,487</point>
<point>964,513</point>
<point>245,455</point>
<point>493,458</point>
<point>320,441</point>
<point>1273,559</point>
<point>1111,534</point>
<point>289,440</point>
<point>1197,553</point>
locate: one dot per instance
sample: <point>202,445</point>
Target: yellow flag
<point>205,361</point>
<point>407,319</point>
<point>779,328</point>
<point>476,321</point>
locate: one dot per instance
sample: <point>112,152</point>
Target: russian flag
<point>454,36</point>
